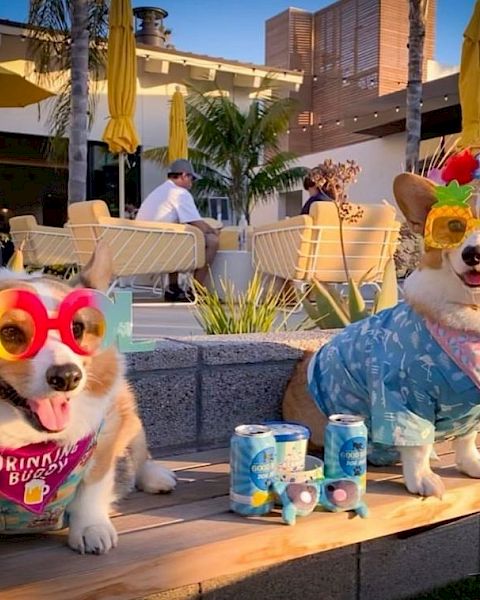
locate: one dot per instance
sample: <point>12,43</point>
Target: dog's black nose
<point>471,255</point>
<point>64,378</point>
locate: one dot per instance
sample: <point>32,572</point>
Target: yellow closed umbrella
<point>16,91</point>
<point>120,133</point>
<point>469,82</point>
<point>177,133</point>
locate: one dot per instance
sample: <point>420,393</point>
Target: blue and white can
<point>346,448</point>
<point>291,441</point>
<point>252,469</point>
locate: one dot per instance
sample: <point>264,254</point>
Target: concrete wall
<point>192,392</point>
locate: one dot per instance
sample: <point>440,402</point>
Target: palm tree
<point>68,36</point>
<point>416,38</point>
<point>237,152</point>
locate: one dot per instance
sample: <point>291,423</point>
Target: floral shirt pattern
<point>390,369</point>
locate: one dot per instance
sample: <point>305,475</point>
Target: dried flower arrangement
<point>334,179</point>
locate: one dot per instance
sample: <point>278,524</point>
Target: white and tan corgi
<point>66,419</point>
<point>412,371</point>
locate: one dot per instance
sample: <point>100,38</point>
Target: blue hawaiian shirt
<point>389,369</point>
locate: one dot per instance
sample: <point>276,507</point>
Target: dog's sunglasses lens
<point>448,231</point>
<point>88,327</point>
<point>17,330</point>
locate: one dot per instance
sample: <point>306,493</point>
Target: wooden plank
<point>192,485</point>
<point>185,553</point>
<point>195,459</point>
<point>135,504</point>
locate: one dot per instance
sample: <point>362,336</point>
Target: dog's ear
<point>98,272</point>
<point>415,196</point>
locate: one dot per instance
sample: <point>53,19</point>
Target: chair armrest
<point>298,221</point>
<point>281,248</point>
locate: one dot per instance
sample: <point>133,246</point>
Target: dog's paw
<point>424,483</point>
<point>97,538</point>
<point>470,466</point>
<point>153,478</point>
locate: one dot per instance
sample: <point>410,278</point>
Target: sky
<point>235,28</point>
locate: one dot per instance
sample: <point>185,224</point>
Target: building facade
<point>350,52</point>
<point>31,182</point>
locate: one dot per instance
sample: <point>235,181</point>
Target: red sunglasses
<point>81,319</point>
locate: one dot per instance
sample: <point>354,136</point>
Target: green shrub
<point>253,311</point>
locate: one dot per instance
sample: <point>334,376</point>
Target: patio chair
<point>308,247</point>
<point>44,246</point>
<point>138,248</point>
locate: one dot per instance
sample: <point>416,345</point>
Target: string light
<point>147,57</point>
<point>355,118</point>
<point>421,103</point>
<point>315,78</point>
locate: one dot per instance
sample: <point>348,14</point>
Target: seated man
<point>172,202</point>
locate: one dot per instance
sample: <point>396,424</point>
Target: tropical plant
<point>68,37</point>
<point>331,310</point>
<point>416,38</point>
<point>237,152</point>
<point>253,311</point>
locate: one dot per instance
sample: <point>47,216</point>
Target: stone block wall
<point>192,392</point>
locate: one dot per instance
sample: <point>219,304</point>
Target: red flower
<point>460,166</point>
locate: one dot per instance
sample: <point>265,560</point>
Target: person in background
<point>316,195</point>
<point>172,202</point>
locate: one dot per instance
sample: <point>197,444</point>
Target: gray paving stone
<point>167,355</point>
<point>242,394</point>
<point>393,568</point>
<point>325,576</point>
<point>256,347</point>
<point>167,403</point>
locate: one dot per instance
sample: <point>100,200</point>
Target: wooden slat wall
<point>394,28</point>
<point>358,51</point>
<point>346,65</point>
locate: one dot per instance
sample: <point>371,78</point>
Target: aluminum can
<point>346,448</point>
<point>291,441</point>
<point>252,469</point>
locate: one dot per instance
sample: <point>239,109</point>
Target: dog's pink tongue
<point>53,413</point>
<point>472,277</point>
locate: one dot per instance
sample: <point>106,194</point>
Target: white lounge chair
<point>138,247</point>
<point>43,246</point>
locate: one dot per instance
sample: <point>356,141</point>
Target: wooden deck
<point>189,536</point>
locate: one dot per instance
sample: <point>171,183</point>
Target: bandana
<point>463,347</point>
<point>30,476</point>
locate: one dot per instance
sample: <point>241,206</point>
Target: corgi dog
<point>411,371</point>
<point>67,413</point>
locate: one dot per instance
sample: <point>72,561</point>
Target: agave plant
<point>254,310</point>
<point>330,310</point>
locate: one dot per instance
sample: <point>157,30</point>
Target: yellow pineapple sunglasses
<point>450,220</point>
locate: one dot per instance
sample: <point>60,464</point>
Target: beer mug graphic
<point>35,490</point>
